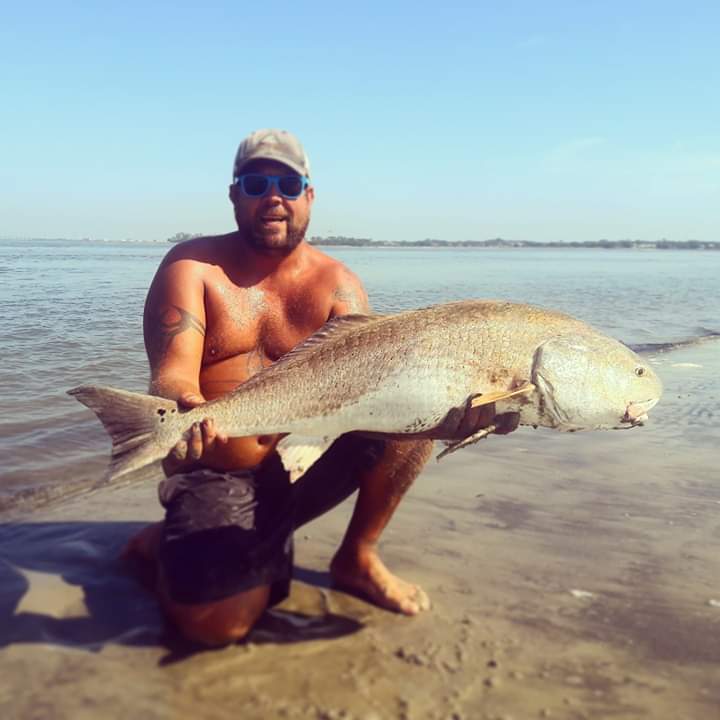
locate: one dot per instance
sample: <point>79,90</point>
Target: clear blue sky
<point>529,120</point>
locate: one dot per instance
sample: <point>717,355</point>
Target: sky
<point>461,121</point>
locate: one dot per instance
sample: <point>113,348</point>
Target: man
<point>219,309</point>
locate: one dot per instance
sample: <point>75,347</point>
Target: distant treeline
<point>502,243</point>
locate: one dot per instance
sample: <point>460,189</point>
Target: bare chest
<point>258,322</point>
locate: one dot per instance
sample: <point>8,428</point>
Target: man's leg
<point>219,622</point>
<point>213,623</point>
<point>222,555</point>
<point>357,565</point>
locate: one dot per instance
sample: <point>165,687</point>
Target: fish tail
<point>140,426</point>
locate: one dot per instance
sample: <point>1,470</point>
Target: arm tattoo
<point>171,328</point>
<point>350,296</point>
<point>167,325</point>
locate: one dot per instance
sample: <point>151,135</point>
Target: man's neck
<point>271,262</point>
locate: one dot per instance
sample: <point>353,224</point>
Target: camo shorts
<point>226,532</point>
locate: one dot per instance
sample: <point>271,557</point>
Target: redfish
<point>412,374</point>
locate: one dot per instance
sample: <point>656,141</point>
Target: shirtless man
<point>219,309</point>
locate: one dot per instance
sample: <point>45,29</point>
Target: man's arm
<point>174,328</point>
<point>174,331</point>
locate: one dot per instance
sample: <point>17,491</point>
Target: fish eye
<point>640,371</point>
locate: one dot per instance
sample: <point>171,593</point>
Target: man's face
<point>272,224</point>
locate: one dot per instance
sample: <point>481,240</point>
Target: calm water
<point>72,315</point>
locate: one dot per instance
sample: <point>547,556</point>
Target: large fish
<point>410,374</point>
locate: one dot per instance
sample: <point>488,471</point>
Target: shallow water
<point>73,314</point>
<point>572,575</point>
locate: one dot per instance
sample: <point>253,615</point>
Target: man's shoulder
<point>341,284</point>
<point>331,269</point>
<point>199,252</point>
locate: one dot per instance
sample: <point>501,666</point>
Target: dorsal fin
<point>334,328</point>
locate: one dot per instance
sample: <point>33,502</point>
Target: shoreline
<point>570,245</point>
<point>685,245</point>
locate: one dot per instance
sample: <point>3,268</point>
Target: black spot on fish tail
<point>132,421</point>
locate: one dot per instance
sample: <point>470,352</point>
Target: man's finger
<point>212,433</point>
<point>208,433</point>
<point>180,450</point>
<point>476,418</point>
<point>506,423</point>
<point>485,415</point>
<point>195,445</point>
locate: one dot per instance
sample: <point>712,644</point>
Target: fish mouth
<point>636,413</point>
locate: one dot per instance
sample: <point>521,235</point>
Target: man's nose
<point>272,197</point>
<point>273,193</point>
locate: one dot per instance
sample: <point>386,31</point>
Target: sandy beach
<point>572,576</point>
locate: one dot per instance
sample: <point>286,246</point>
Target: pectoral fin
<point>479,435</point>
<point>487,398</point>
<point>298,453</point>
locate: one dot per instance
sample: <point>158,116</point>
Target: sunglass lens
<point>290,185</point>
<point>254,185</point>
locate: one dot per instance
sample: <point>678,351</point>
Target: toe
<point>422,600</point>
<point>415,603</point>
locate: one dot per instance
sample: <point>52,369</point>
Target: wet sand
<point>572,576</point>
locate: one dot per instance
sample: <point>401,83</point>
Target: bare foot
<point>140,555</point>
<point>365,574</point>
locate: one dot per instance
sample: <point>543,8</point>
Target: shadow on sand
<point>62,583</point>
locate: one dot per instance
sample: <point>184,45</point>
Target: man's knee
<point>221,622</point>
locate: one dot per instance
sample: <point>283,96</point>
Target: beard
<point>269,242</point>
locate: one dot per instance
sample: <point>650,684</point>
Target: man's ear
<point>310,194</point>
<point>233,193</point>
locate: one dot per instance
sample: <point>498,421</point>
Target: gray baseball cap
<point>270,144</point>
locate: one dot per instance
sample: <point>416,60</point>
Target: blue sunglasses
<point>289,186</point>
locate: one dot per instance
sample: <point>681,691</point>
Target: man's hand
<point>476,418</point>
<point>199,440</point>
<point>475,421</point>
